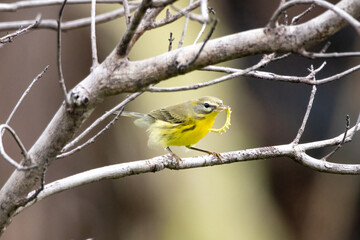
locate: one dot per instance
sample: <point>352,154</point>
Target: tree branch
<point>118,75</point>
<point>59,63</point>
<point>19,143</point>
<point>41,3</point>
<point>350,19</point>
<point>276,77</point>
<point>69,25</point>
<point>176,16</point>
<point>9,37</point>
<point>97,122</point>
<point>160,163</point>
<point>95,61</point>
<point>123,47</point>
<point>23,96</point>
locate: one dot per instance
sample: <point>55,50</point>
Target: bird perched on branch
<point>183,124</point>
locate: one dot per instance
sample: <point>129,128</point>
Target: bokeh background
<point>267,199</point>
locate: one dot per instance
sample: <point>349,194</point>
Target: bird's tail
<point>131,114</point>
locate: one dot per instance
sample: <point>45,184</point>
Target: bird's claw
<point>217,155</point>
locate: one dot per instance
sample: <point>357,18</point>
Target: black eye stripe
<point>205,108</point>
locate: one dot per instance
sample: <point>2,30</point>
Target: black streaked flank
<point>199,118</point>
<point>189,128</point>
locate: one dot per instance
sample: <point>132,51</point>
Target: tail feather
<point>132,114</point>
<point>142,120</point>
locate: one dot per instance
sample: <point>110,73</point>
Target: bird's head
<point>207,105</point>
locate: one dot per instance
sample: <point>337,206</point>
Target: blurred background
<point>267,199</point>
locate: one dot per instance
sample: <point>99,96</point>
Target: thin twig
<point>171,39</point>
<point>123,48</point>
<point>100,119</point>
<point>200,33</point>
<point>301,15</point>
<point>173,17</point>
<point>204,10</point>
<point>181,42</point>
<point>357,125</point>
<point>23,96</point>
<point>145,24</point>
<point>350,19</point>
<point>95,61</point>
<point>143,19</point>
<point>301,130</point>
<point>4,7</point>
<point>127,12</point>
<point>328,55</point>
<point>205,14</point>
<point>264,61</point>
<point>325,47</point>
<point>9,38</point>
<point>181,67</point>
<point>347,127</point>
<point>92,139</point>
<point>61,77</point>
<point>338,76</point>
<point>192,16</point>
<point>306,117</point>
<point>161,3</point>
<point>276,77</point>
<point>21,146</point>
<point>68,25</point>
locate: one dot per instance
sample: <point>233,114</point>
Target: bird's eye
<point>206,105</point>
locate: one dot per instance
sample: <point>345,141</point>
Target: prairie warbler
<point>183,124</point>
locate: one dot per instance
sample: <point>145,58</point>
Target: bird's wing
<point>166,115</point>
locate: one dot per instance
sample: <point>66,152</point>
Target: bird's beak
<point>222,107</point>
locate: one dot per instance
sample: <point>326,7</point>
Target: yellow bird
<point>183,124</point>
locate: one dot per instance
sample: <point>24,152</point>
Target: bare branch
<point>127,12</point>
<point>140,23</point>
<point>124,47</point>
<point>99,120</point>
<point>117,75</point>
<point>184,29</point>
<point>204,10</point>
<point>200,33</point>
<point>298,17</point>
<point>308,110</point>
<point>171,39</point>
<point>176,16</point>
<point>95,61</point>
<point>92,139</point>
<point>34,194</point>
<point>301,130</point>
<point>23,96</point>
<point>342,142</point>
<point>264,61</point>
<point>313,55</point>
<point>357,125</point>
<point>61,77</point>
<point>182,66</point>
<point>41,3</point>
<point>350,19</point>
<point>9,38</point>
<point>21,146</point>
<point>283,78</point>
<point>338,76</point>
<point>192,16</point>
<point>69,25</point>
<point>160,163</point>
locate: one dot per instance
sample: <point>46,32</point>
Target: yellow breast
<point>183,134</point>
